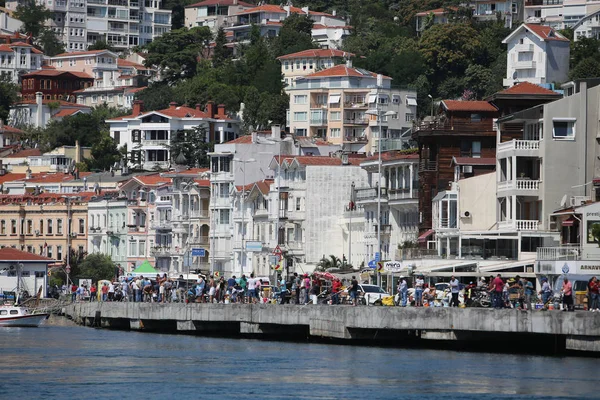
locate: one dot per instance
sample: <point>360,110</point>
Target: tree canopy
<point>96,267</point>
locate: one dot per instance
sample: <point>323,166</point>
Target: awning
<point>334,98</point>
<point>569,221</point>
<point>411,101</point>
<point>425,235</point>
<point>372,98</point>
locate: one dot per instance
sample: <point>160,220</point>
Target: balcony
<point>160,142</point>
<point>318,121</point>
<point>519,225</point>
<point>526,148</point>
<point>370,194</point>
<point>520,184</point>
<point>404,193</point>
<point>356,121</point>
<point>162,225</point>
<point>524,47</point>
<point>356,139</point>
<point>558,253</point>
<point>261,212</point>
<point>443,127</point>
<point>198,241</point>
<point>136,228</point>
<point>427,166</point>
<point>356,105</point>
<point>385,229</point>
<point>199,214</point>
<point>161,251</point>
<point>524,65</point>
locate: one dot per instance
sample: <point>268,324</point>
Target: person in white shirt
<point>252,288</point>
<point>419,282</point>
<point>111,292</point>
<point>454,289</point>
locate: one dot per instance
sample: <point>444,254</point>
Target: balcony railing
<point>318,121</point>
<point>519,145</point>
<point>519,224</point>
<point>425,165</point>
<point>558,253</point>
<point>363,194</point>
<point>519,184</point>
<point>356,121</point>
<point>524,47</point>
<point>356,139</point>
<point>524,65</point>
<point>198,240</point>
<point>385,229</point>
<point>403,193</point>
<point>162,225</point>
<point>442,126</point>
<point>199,214</point>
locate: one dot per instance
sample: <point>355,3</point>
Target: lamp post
<point>431,98</point>
<point>243,162</point>
<point>380,114</point>
<point>350,225</point>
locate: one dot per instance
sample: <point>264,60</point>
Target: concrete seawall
<point>561,331</point>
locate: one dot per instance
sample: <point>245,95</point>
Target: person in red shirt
<point>594,290</point>
<point>496,288</point>
<point>104,292</point>
<point>336,286</point>
<point>567,291</point>
<point>93,292</point>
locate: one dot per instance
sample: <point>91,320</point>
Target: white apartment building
<point>147,135</point>
<point>182,222</point>
<point>100,64</point>
<point>588,26</point>
<point>399,186</point>
<point>328,29</point>
<point>8,24</point>
<point>39,112</point>
<point>536,54</point>
<point>18,58</point>
<point>122,24</point>
<point>107,228</point>
<point>213,13</point>
<point>303,63</point>
<point>334,104</point>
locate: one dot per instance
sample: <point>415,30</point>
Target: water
<point>77,362</point>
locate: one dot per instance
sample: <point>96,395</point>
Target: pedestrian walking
<point>594,289</point>
<point>567,292</point>
<point>454,290</point>
<point>403,290</point>
<point>419,282</point>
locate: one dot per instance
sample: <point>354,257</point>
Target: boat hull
<point>33,320</point>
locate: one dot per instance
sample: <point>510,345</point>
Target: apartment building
<point>8,23</point>
<point>9,135</point>
<point>588,26</point>
<point>536,54</point>
<point>18,58</point>
<point>39,111</point>
<point>302,63</point>
<point>336,104</point>
<point>182,222</point>
<point>141,194</point>
<point>213,13</point>
<point>107,227</point>
<point>45,224</point>
<point>329,30</point>
<point>147,135</point>
<point>122,24</point>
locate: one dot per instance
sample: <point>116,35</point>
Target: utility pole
<point>243,203</point>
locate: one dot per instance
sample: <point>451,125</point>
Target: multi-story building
<point>213,13</point>
<point>536,54</point>
<point>588,26</point>
<point>39,111</point>
<point>306,62</point>
<point>107,227</point>
<point>54,84</point>
<point>147,135</point>
<point>141,194</point>
<point>101,65</point>
<point>328,29</point>
<point>182,222</point>
<point>8,23</point>
<point>45,224</point>
<point>336,104</point>
<point>18,58</point>
<point>398,199</point>
<point>9,135</point>
<point>122,24</point>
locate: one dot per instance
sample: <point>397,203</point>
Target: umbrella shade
<point>145,268</point>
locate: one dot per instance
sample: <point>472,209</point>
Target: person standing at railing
<point>567,291</point>
<point>594,290</point>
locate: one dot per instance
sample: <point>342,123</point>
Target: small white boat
<point>20,316</point>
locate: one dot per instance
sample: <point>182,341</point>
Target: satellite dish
<point>563,201</point>
<point>515,75</point>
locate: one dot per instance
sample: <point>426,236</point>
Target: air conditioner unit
<point>465,214</point>
<point>467,169</point>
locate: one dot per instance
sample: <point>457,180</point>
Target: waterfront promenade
<point>388,325</point>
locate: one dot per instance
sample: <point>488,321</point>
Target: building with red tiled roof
<point>522,96</point>
<point>436,16</point>
<point>9,135</point>
<point>468,106</point>
<point>40,110</point>
<point>25,153</point>
<point>303,63</point>
<point>54,84</point>
<point>537,54</point>
<point>214,13</point>
<point>18,48</point>
<point>152,147</point>
<point>30,269</point>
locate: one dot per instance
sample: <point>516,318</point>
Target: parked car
<point>372,293</point>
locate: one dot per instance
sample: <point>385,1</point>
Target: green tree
<point>104,153</point>
<point>176,53</point>
<point>50,43</point>
<point>477,79</point>
<point>295,35</point>
<point>100,45</point>
<point>584,48</point>
<point>97,267</point>
<point>190,148</point>
<point>220,52</point>
<point>33,16</point>
<point>157,96</point>
<point>8,95</point>
<point>587,68</point>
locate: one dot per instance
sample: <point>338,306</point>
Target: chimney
<point>235,2</point>
<point>210,109</point>
<point>254,137</point>
<point>305,10</point>
<point>172,104</point>
<point>138,107</point>
<point>28,174</point>
<point>276,132</point>
<point>333,13</point>
<point>198,107</point>
<point>39,120</point>
<point>77,152</point>
<point>221,110</point>
<point>349,63</point>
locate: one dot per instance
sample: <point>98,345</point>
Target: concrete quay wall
<point>571,330</point>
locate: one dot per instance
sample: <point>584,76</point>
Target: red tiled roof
<point>152,180</point>
<point>341,70</point>
<point>62,103</point>
<point>203,182</point>
<point>437,11</point>
<point>25,153</point>
<point>65,112</point>
<point>55,72</point>
<point>50,178</point>
<point>135,90</point>
<point>220,3</point>
<point>265,185</point>
<point>11,177</point>
<point>320,160</point>
<point>183,112</point>
<point>546,32</point>
<point>10,129</point>
<point>8,48</point>
<point>321,53</point>
<point>126,63</point>
<point>474,161</point>
<point>321,26</point>
<point>528,88</point>
<point>244,139</point>
<point>459,105</point>
<point>10,254</point>
<point>271,8</point>
<point>392,156</point>
<point>79,53</point>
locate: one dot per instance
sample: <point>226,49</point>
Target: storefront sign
<point>392,266</point>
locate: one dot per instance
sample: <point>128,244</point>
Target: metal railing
<point>558,253</point>
<point>425,165</point>
<point>369,193</point>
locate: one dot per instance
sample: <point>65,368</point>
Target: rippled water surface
<point>84,363</point>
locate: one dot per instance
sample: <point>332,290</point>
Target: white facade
<point>213,14</point>
<point>8,24</point>
<point>303,63</point>
<point>536,54</point>
<point>38,113</point>
<point>32,268</point>
<point>107,228</point>
<point>19,58</point>
<point>588,26</point>
<point>122,24</point>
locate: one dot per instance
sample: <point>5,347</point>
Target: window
<point>476,149</point>
<point>13,227</point>
<point>224,217</point>
<point>40,274</point>
<point>132,248</point>
<point>300,99</point>
<point>563,129</point>
<point>81,226</point>
<point>80,250</point>
<point>475,117</point>
<point>298,201</point>
<point>142,248</point>
<point>3,227</point>
<point>59,226</point>
<point>49,227</point>
<point>334,132</point>
<point>29,227</point>
<point>49,252</point>
<point>59,255</point>
<point>409,117</point>
<point>300,116</point>
<point>336,116</point>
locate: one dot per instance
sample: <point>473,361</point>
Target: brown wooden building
<point>54,84</point>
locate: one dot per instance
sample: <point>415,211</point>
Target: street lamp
<point>243,162</point>
<point>431,98</point>
<point>380,114</point>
